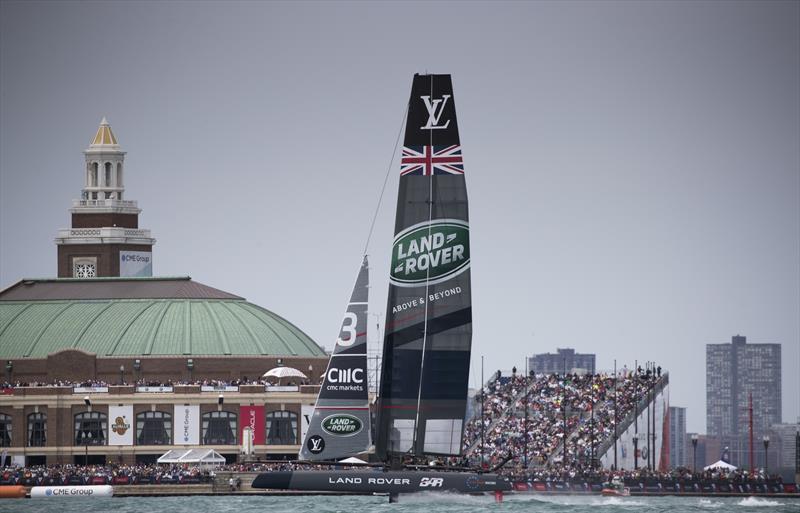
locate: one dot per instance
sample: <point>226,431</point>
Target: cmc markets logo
<point>119,426</point>
<point>430,251</point>
<point>341,424</point>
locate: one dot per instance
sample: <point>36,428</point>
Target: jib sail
<point>339,426</point>
<point>428,330</point>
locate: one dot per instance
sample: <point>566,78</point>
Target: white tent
<point>721,465</point>
<point>207,457</point>
<point>352,460</point>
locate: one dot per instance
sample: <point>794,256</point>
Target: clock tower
<point>105,238</point>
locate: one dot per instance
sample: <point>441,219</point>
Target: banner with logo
<point>155,390</point>
<point>135,263</point>
<point>187,424</point>
<point>306,412</point>
<point>219,388</point>
<point>120,425</point>
<point>254,417</point>
<point>90,390</point>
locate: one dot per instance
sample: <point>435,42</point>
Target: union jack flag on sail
<point>431,160</point>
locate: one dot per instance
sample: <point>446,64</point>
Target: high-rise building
<point>564,359</point>
<point>782,445</point>
<point>104,239</point>
<point>677,436</point>
<point>734,373</point>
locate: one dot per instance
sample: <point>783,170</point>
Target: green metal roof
<point>223,325</point>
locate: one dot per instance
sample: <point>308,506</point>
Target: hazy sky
<point>633,168</point>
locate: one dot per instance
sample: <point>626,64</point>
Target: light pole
<point>86,434</point>
<point>766,457</point>
<point>694,449</point>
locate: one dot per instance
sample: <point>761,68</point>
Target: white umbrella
<point>284,372</point>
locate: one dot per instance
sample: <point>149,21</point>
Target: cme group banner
<point>120,425</point>
<point>253,417</point>
<point>135,263</point>
<point>186,424</point>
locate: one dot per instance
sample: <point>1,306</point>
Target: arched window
<point>281,428</point>
<point>37,430</point>
<point>219,428</point>
<point>90,428</point>
<point>154,428</point>
<point>107,183</point>
<point>119,174</point>
<point>93,182</point>
<point>5,430</point>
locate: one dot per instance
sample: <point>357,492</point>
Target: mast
<point>428,329</point>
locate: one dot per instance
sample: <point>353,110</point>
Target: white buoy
<point>54,492</point>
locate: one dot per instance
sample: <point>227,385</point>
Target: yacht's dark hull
<point>379,481</point>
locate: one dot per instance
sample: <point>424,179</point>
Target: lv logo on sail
<point>434,107</point>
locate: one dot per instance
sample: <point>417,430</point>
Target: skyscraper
<point>734,372</point>
<point>565,359</point>
<point>677,437</point>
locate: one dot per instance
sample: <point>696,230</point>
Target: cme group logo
<point>128,257</point>
<point>48,492</point>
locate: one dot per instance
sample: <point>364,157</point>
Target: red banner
<point>253,416</point>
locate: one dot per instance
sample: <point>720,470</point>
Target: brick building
<point>108,363</point>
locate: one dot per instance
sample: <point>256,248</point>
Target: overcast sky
<point>633,168</point>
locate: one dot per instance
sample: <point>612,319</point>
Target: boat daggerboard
<point>428,330</point>
<point>340,424</point>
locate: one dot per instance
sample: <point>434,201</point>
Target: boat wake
<point>757,502</point>
<point>576,500</point>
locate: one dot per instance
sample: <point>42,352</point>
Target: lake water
<point>428,503</point>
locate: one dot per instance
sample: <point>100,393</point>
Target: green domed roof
<point>140,316</point>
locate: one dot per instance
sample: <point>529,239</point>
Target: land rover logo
<point>316,444</point>
<point>341,424</point>
<point>433,252</point>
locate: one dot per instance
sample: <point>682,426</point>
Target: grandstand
<point>571,420</point>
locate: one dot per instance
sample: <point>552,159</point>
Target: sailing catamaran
<point>428,332</point>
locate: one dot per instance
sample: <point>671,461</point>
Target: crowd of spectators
<point>139,474</point>
<point>519,412</point>
<point>151,383</point>
<point>678,479</point>
<point>79,475</point>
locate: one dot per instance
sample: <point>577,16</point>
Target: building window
<point>93,182</point>
<point>37,430</point>
<point>5,430</point>
<point>85,271</point>
<point>281,428</point>
<point>153,428</point>
<point>119,174</point>
<point>108,175</point>
<point>90,428</point>
<point>219,428</point>
<point>84,267</point>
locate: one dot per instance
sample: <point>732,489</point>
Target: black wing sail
<point>428,331</point>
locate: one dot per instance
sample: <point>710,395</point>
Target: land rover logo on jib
<point>430,251</point>
<point>341,424</point>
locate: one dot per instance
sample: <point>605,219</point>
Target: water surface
<point>426,503</point>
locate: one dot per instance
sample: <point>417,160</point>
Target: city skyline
<point>633,169</point>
